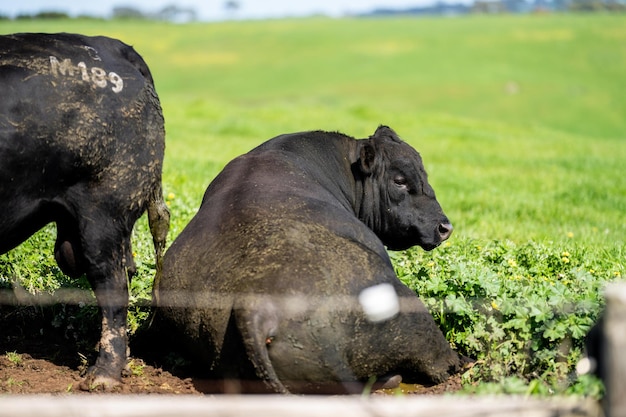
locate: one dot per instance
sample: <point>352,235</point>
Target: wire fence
<point>381,305</point>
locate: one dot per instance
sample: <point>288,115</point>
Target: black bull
<point>81,145</point>
<point>263,282</point>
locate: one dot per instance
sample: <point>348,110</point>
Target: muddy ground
<point>48,350</point>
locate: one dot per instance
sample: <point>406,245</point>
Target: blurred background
<point>191,10</point>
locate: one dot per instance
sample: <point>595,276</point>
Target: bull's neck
<point>347,156</point>
<point>338,157</point>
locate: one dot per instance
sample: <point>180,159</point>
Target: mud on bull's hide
<point>81,145</point>
<point>263,283</point>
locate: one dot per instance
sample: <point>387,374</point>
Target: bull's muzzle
<point>444,230</point>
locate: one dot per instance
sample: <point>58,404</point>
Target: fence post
<point>613,350</point>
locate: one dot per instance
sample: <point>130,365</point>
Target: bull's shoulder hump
<point>319,153</point>
<point>313,138</point>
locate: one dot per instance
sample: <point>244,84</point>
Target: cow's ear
<point>384,131</point>
<point>367,157</point>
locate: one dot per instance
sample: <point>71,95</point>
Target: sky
<point>207,9</point>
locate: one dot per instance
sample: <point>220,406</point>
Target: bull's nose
<point>445,230</point>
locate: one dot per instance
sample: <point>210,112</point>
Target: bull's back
<point>98,61</point>
<point>265,227</point>
<point>75,111</point>
<point>44,76</point>
<point>263,212</point>
<point>279,259</point>
<point>73,105</point>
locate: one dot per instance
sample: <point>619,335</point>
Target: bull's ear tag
<point>379,302</point>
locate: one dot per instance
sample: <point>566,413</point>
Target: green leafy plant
<point>136,367</point>
<point>522,311</point>
<point>10,382</point>
<point>15,358</point>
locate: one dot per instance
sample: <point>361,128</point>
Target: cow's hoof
<point>98,383</point>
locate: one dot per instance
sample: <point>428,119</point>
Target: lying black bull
<point>263,282</point>
<point>81,144</point>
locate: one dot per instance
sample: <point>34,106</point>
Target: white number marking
<point>97,76</point>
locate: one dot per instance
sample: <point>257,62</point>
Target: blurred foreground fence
<point>612,352</point>
<point>290,406</point>
<point>611,359</point>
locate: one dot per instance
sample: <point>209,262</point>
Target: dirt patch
<point>38,376</point>
<point>39,355</point>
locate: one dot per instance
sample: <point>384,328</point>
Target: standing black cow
<point>263,282</point>
<point>81,144</point>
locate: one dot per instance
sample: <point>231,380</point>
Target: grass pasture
<point>521,121</point>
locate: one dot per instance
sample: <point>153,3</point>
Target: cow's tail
<point>159,221</point>
<point>257,320</point>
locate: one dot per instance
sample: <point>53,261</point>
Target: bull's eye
<point>400,181</point>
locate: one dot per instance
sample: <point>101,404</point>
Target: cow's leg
<point>107,275</point>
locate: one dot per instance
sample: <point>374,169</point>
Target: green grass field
<point>521,121</point>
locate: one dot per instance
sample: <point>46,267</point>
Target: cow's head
<point>397,203</point>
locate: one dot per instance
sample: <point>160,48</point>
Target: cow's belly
<point>21,218</point>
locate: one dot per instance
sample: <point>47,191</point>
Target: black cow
<point>81,145</point>
<point>263,282</point>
